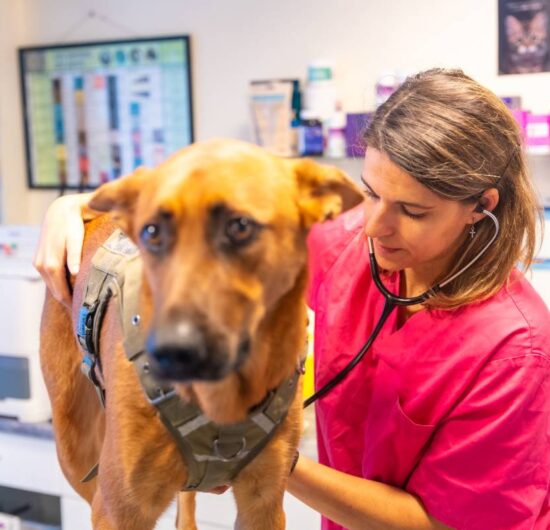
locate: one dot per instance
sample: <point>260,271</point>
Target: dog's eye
<point>241,230</point>
<point>153,239</point>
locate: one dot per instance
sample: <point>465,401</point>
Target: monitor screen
<point>95,111</point>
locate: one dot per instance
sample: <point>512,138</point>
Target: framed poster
<point>94,111</point>
<point>523,36</point>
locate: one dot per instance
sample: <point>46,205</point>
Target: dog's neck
<point>279,344</point>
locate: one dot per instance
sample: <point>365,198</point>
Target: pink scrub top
<point>453,407</point>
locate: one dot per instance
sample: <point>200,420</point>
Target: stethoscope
<point>391,301</point>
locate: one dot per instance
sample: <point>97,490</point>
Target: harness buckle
<point>162,397</point>
<point>87,367</point>
<point>85,327</point>
<point>229,452</point>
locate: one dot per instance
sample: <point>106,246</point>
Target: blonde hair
<point>458,139</point>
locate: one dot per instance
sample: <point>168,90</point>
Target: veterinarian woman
<point>445,421</point>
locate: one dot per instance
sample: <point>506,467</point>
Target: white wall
<point>14,193</point>
<point>238,40</point>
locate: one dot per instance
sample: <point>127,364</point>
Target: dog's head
<point>222,229</point>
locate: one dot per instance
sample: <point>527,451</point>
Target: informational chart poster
<point>96,111</point>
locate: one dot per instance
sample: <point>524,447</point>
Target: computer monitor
<point>94,111</point>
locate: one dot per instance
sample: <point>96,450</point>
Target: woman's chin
<point>388,266</point>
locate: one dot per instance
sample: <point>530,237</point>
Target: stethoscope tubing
<point>389,306</point>
<point>391,301</point>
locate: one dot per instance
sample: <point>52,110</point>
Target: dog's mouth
<point>194,360</point>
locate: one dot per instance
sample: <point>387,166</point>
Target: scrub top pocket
<point>392,436</point>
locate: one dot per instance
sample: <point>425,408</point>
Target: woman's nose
<point>378,220</point>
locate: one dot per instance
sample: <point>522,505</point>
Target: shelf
<point>539,165</point>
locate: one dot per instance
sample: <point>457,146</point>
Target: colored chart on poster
<point>96,111</point>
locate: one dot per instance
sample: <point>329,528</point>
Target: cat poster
<point>523,36</point>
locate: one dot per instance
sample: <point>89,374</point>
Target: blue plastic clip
<point>82,317</point>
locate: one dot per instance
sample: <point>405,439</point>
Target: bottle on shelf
<point>386,85</point>
<point>336,134</point>
<point>310,134</point>
<point>320,91</point>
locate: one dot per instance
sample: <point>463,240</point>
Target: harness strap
<point>134,334</point>
<point>88,325</point>
<point>91,474</point>
<point>108,263</point>
<point>214,454</point>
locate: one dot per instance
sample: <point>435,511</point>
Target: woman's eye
<point>413,215</point>
<point>152,238</point>
<point>241,230</point>
<point>369,193</point>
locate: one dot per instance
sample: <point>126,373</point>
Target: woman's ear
<point>488,201</point>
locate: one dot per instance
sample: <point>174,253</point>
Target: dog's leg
<point>186,511</point>
<point>117,507</point>
<point>140,469</point>
<point>107,515</point>
<point>259,505</point>
<point>116,513</point>
<point>78,419</point>
<point>259,491</point>
<point>259,488</point>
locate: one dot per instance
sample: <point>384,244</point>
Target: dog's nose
<point>177,351</point>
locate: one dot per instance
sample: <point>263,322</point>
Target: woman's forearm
<point>356,503</point>
<point>61,241</point>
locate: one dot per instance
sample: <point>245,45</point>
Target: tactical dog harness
<point>214,454</point>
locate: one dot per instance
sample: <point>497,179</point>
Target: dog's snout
<point>177,351</point>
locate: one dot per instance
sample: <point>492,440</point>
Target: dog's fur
<point>246,298</point>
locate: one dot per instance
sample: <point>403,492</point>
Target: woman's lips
<point>384,250</point>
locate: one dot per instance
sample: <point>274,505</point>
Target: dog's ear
<point>324,191</point>
<point>119,197</point>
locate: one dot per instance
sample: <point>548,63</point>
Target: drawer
<point>30,464</point>
<point>20,314</point>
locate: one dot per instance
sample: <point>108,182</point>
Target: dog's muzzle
<point>184,352</point>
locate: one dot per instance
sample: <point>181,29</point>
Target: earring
<point>472,231</point>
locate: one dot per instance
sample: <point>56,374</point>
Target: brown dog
<point>221,228</point>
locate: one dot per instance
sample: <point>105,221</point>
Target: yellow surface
<point>308,377</point>
<point>309,383</point>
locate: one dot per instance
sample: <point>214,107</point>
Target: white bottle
<point>320,91</point>
<point>336,135</point>
<point>387,84</point>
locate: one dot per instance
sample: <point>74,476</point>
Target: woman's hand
<point>60,243</point>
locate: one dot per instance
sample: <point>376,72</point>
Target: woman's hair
<point>458,139</point>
